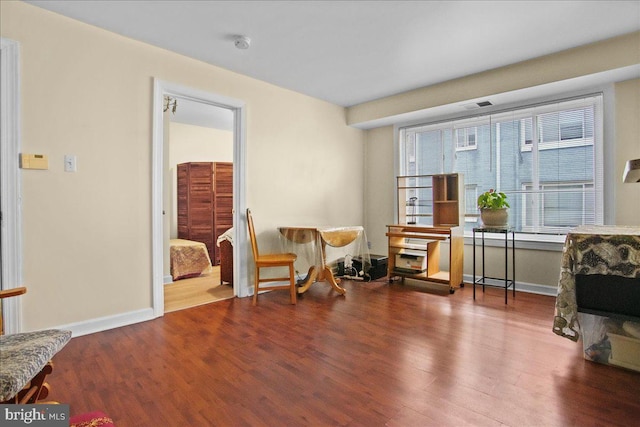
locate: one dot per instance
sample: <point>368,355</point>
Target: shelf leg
<point>474,264</point>
<point>483,275</point>
<point>513,262</point>
<point>506,266</point>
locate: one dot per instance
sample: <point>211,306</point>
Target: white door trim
<point>237,107</point>
<point>11,194</point>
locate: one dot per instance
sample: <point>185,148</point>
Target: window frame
<point>540,228</point>
<point>603,171</point>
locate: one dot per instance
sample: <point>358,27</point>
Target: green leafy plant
<point>493,200</point>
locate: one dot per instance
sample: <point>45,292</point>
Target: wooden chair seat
<point>280,259</point>
<point>271,260</point>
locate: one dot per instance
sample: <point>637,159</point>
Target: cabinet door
<point>183,201</point>
<point>223,201</point>
<point>195,203</point>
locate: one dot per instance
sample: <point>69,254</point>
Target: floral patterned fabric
<point>611,250</point>
<point>23,355</point>
<point>92,419</point>
<point>188,259</point>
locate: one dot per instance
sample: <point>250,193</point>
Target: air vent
<point>484,104</point>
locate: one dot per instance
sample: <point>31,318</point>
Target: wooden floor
<point>383,355</point>
<point>204,289</point>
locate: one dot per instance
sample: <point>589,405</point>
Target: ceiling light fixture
<point>242,42</point>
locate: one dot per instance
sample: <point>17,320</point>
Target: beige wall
<point>380,187</point>
<point>586,60</point>
<point>88,92</point>
<point>189,143</point>
<point>627,196</point>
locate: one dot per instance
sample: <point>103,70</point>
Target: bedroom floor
<point>196,291</point>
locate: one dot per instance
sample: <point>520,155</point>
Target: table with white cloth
<point>321,248</point>
<point>593,250</point>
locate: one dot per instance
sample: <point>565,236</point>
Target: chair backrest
<point>252,235</point>
<point>6,294</point>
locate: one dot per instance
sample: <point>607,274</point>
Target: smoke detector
<point>242,42</point>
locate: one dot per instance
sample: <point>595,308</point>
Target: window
<point>466,138</point>
<point>559,129</point>
<point>547,159</point>
<point>470,197</point>
<point>562,205</point>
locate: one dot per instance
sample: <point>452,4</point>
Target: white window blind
<point>546,158</point>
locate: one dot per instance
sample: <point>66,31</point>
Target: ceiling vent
<point>484,103</point>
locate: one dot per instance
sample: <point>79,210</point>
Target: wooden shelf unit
<point>427,240</point>
<point>430,210</point>
<point>439,200</point>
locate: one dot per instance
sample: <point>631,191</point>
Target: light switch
<point>70,164</point>
<point>34,161</point>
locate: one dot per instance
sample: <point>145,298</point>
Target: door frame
<point>11,194</point>
<point>161,89</point>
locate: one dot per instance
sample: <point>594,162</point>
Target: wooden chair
<point>270,261</point>
<point>6,294</point>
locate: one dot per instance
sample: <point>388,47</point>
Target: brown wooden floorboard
<point>383,355</point>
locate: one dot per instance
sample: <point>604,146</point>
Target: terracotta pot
<point>498,218</point>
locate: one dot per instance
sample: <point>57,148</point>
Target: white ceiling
<point>349,52</point>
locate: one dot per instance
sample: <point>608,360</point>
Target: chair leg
<point>35,390</point>
<point>256,286</point>
<point>292,280</point>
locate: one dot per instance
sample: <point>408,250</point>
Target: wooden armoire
<point>205,203</point>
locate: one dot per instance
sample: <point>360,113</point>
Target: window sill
<point>540,242</point>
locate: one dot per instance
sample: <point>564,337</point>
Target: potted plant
<point>493,207</point>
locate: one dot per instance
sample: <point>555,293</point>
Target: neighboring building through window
<point>547,159</point>
<point>466,138</point>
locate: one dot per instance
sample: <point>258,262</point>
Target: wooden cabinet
<point>415,251</point>
<point>205,197</point>
<point>226,262</point>
<point>430,211</point>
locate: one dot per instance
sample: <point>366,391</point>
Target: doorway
<point>198,135</point>
<point>160,182</point>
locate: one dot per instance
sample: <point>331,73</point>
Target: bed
<point>188,258</point>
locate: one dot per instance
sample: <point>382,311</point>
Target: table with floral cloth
<point>610,250</point>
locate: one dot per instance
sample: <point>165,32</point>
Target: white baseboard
<point>532,288</point>
<point>167,279</point>
<point>109,322</point>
